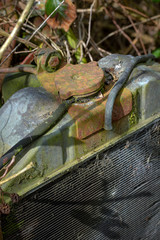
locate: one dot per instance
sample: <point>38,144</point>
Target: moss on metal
<point>16,81</point>
<point>133,116</point>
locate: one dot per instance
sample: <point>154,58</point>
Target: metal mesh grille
<point>116,195</point>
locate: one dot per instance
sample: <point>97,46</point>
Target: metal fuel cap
<point>79,80</point>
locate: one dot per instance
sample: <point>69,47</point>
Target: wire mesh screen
<point>115,195</point>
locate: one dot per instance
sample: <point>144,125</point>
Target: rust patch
<point>79,80</point>
<point>89,117</point>
<point>48,60</point>
<point>47,81</point>
<point>71,80</point>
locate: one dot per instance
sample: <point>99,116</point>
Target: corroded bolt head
<point>53,62</point>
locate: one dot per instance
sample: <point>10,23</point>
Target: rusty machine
<point>84,143</point>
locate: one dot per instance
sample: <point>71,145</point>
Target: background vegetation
<point>85,31</point>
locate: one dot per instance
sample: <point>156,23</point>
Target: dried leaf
<point>66,20</point>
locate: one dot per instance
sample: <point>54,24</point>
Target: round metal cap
<point>79,80</point>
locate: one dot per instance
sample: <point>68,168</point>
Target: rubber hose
<point>118,86</point>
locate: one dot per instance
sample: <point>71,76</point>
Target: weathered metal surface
<point>79,80</point>
<point>115,64</point>
<point>48,60</point>
<point>47,81</point>
<point>89,116</point>
<point>16,81</point>
<point>23,113</point>
<point>59,149</point>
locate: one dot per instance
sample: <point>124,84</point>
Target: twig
<point>26,168</point>
<point>45,37</point>
<point>96,48</point>
<point>33,32</point>
<point>45,20</point>
<point>138,34</point>
<point>135,10</point>
<point>81,27</point>
<point>21,40</point>
<point>127,50</point>
<point>127,27</point>
<point>89,24</point>
<point>87,52</point>
<point>68,52</point>
<point>81,51</point>
<point>134,27</point>
<point>123,33</point>
<point>138,12</point>
<point>87,10</point>
<point>8,166</point>
<point>127,37</point>
<point>18,69</point>
<point>40,37</point>
<point>104,51</point>
<point>27,51</point>
<point>16,28</point>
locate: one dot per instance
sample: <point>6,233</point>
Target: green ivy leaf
<point>51,5</point>
<point>156,53</point>
<point>73,41</point>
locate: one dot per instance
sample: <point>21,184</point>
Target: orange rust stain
<point>89,117</point>
<point>80,79</point>
<point>47,81</point>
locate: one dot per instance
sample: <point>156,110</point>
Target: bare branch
<point>127,27</point>
<point>89,25</point>
<point>34,32</point>
<point>21,40</point>
<point>16,28</point>
<point>8,166</point>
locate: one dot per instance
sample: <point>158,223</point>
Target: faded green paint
<point>29,185</point>
<point>133,116</point>
<point>16,81</point>
<point>59,150</point>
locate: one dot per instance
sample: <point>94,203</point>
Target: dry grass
<point>102,27</point>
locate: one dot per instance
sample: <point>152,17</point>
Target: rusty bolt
<point>53,62</point>
<point>4,208</point>
<point>14,197</point>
